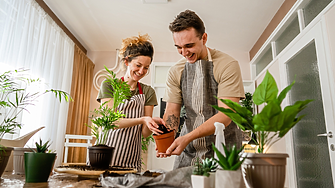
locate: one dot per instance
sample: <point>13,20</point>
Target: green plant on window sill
<point>14,98</point>
<point>105,117</point>
<point>272,123</point>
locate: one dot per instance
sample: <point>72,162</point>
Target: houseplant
<point>230,162</point>
<point>270,125</point>
<point>164,140</point>
<point>200,175</point>
<point>14,99</point>
<point>104,119</point>
<point>38,164</point>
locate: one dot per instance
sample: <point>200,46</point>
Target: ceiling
<point>232,25</point>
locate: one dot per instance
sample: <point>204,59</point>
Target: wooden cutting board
<point>83,170</point>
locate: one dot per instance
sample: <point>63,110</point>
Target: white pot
<point>212,179</point>
<point>228,178</point>
<point>200,181</point>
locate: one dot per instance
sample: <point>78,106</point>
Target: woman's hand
<point>152,124</point>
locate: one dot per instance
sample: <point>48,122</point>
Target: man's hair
<point>186,20</point>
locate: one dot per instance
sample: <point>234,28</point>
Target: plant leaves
<point>266,91</point>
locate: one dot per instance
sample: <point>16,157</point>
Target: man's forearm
<point>172,121</point>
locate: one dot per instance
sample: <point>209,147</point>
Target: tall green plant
<point>105,117</point>
<point>272,123</point>
<point>14,98</point>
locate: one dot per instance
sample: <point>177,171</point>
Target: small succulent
<point>42,148</point>
<point>232,158</point>
<point>209,163</point>
<point>200,169</point>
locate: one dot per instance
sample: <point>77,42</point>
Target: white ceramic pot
<point>228,178</point>
<point>18,160</point>
<point>212,179</point>
<point>200,181</point>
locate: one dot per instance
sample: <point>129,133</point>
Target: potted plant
<point>14,99</point>
<point>38,164</point>
<point>164,140</point>
<point>270,125</point>
<point>211,164</point>
<point>230,175</point>
<point>104,118</point>
<point>200,175</point>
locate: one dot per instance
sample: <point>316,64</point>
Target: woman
<point>136,56</point>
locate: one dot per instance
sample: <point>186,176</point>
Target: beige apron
<point>198,88</point>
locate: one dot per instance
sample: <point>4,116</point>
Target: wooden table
<point>55,180</point>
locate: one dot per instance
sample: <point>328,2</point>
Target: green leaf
<point>283,93</point>
<point>222,161</point>
<point>266,91</point>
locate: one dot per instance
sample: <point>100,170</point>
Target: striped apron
<point>127,141</point>
<point>198,88</point>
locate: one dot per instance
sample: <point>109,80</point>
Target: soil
<point>163,128</point>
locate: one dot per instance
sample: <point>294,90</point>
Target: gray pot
<point>263,170</point>
<point>4,156</point>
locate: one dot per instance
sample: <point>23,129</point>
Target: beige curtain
<point>82,80</point>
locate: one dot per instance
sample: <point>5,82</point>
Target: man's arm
<point>205,129</point>
<point>172,115</point>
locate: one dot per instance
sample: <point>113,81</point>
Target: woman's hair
<point>135,46</point>
<point>186,20</point>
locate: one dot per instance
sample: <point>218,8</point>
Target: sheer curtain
<point>30,39</point>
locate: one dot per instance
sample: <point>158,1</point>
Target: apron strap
<point>209,55</point>
<point>138,85</point>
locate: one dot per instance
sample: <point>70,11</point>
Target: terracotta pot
<point>264,170</point>
<point>4,156</point>
<point>100,156</point>
<point>164,141</point>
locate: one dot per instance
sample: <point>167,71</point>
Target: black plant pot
<point>4,156</point>
<point>100,156</point>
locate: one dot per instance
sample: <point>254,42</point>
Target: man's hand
<point>176,147</point>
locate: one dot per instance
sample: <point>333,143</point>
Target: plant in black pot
<point>104,119</point>
<point>164,140</point>
<point>38,164</point>
<point>14,99</point>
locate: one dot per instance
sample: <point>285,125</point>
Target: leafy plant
<point>272,122</point>
<point>14,98</point>
<point>200,169</point>
<point>232,158</point>
<point>247,102</point>
<point>104,117</point>
<point>42,147</point>
<point>209,163</point>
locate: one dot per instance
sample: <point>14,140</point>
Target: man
<point>194,81</point>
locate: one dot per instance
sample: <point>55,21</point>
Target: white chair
<point>68,144</point>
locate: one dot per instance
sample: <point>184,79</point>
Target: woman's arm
<point>147,121</point>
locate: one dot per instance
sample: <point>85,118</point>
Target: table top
<point>55,180</point>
